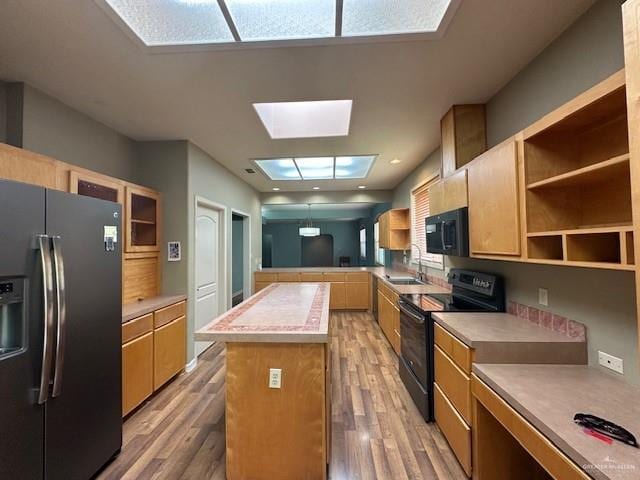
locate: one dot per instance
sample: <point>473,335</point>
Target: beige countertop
<point>379,272</point>
<point>279,313</point>
<point>505,338</point>
<point>548,396</point>
<point>137,309</point>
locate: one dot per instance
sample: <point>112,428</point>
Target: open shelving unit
<point>577,182</point>
<point>142,220</point>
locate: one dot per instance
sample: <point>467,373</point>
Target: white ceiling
<point>72,50</point>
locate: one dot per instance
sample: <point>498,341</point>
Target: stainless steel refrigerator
<point>60,330</point>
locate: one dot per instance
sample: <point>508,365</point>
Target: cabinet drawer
<point>357,277</point>
<point>137,372</point>
<point>311,277</point>
<point>357,296</point>
<point>454,383</point>
<point>289,277</point>
<point>169,351</point>
<point>137,327</point>
<point>454,428</point>
<point>265,277</point>
<point>168,314</point>
<point>458,351</point>
<point>384,290</point>
<point>333,277</point>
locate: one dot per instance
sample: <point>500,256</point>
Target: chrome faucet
<point>419,273</point>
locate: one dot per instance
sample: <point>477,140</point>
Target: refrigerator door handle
<point>47,349</point>
<point>61,311</point>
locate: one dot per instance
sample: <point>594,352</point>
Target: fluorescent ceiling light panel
<point>279,169</point>
<point>174,22</point>
<point>324,118</point>
<point>354,167</point>
<point>317,168</point>
<point>385,17</point>
<point>259,20</point>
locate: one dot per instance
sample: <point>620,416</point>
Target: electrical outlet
<point>543,297</point>
<point>610,362</point>
<point>275,377</point>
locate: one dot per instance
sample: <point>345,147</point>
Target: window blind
<point>420,211</point>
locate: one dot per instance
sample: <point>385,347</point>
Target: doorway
<point>209,265</point>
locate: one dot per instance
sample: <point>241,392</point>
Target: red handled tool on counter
<point>606,428</point>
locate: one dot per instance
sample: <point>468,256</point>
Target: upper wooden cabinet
<point>464,137</point>
<point>449,193</point>
<point>395,229</point>
<point>95,185</point>
<point>142,220</point>
<point>494,216</point>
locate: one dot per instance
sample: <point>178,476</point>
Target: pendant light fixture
<point>308,230</point>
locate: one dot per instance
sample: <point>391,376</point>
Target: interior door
<point>22,210</point>
<point>207,268</point>
<point>84,420</point>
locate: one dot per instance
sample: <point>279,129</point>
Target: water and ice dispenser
<point>13,327</point>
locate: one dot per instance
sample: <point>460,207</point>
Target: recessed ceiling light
<point>275,189</point>
<point>316,188</point>
<point>395,161</point>
<point>362,187</point>
<point>324,118</point>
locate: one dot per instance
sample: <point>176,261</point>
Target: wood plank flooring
<point>377,432</point>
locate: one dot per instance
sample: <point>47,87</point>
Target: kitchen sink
<point>405,281</point>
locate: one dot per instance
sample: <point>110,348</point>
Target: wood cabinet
<point>169,349</point>
<point>395,229</point>
<point>463,136</point>
<point>142,220</point>
<point>90,184</point>
<point>338,296</point>
<point>389,316</point>
<point>153,352</point>
<point>449,193</point>
<point>357,295</point>
<point>494,215</point>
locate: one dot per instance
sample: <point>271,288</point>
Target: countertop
<point>505,338</point>
<point>380,272</point>
<point>279,313</point>
<point>548,396</point>
<point>137,309</point>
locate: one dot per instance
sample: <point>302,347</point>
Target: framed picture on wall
<point>174,253</point>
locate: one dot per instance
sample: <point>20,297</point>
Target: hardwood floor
<point>377,432</point>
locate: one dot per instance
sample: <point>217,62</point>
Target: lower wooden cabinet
<point>137,372</point>
<point>153,352</point>
<point>357,296</point>
<point>338,296</point>
<point>169,351</point>
<point>389,317</point>
<point>454,428</point>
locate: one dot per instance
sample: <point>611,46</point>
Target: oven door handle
<point>418,318</point>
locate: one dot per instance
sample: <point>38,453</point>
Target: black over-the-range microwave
<point>448,233</point>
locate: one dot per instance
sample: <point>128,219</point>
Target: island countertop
<point>280,313</point>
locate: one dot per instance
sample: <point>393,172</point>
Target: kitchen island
<point>277,382</point>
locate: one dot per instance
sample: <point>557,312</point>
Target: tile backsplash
<point>549,320</point>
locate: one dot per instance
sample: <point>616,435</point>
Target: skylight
<point>325,118</point>
<point>183,23</point>
<point>316,168</point>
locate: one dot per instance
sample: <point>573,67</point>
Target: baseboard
<point>191,365</point>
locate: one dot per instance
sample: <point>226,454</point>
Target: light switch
<point>275,377</point>
<point>543,297</point>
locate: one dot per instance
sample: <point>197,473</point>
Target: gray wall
<point>287,243</point>
<point>586,53</point>
<point>3,112</point>
<point>237,273</point>
<point>52,128</point>
<point>163,167</point>
<point>210,180</point>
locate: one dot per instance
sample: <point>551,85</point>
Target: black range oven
<point>471,292</point>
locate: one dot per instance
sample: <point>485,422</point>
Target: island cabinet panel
<point>169,351</point>
<point>276,432</point>
<point>137,372</point>
<point>494,215</point>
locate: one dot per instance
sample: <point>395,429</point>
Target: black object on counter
<point>606,428</point>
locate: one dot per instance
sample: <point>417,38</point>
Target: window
<point>363,242</point>
<point>377,251</point>
<point>420,211</point>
